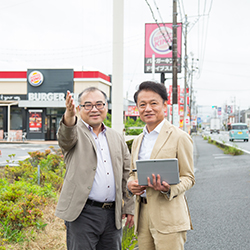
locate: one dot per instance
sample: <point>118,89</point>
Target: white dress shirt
<point>103,188</point>
<point>148,143</point>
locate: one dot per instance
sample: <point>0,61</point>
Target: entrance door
<point>52,126</point>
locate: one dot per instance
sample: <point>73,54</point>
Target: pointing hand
<point>70,113</point>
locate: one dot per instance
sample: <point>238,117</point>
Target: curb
<point>229,145</point>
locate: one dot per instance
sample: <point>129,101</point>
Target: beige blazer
<point>80,156</point>
<point>171,214</point>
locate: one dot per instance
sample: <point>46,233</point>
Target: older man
<point>97,161</point>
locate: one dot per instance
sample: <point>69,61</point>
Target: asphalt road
<point>219,202</point>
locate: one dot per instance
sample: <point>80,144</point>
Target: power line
<point>202,44</point>
<point>162,20</point>
<point>183,7</point>
<point>158,24</point>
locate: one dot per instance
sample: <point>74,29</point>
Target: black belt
<point>104,205</point>
<point>143,200</point>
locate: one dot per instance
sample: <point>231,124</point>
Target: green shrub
<point>21,206</point>
<point>130,123</point>
<point>226,149</point>
<point>129,240</point>
<point>232,151</point>
<point>22,199</point>
<point>129,143</point>
<point>134,131</point>
<point>52,169</point>
<point>24,171</point>
<point>107,121</point>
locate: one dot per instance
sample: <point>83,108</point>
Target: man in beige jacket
<point>161,214</point>
<point>97,167</point>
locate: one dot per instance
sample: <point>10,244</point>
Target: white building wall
<point>14,87</point>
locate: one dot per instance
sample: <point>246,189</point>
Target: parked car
<point>239,131</point>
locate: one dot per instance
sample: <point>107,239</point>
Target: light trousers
<point>150,239</point>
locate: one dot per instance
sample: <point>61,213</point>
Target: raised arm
<point>70,113</point>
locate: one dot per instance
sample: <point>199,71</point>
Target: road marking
<point>222,157</point>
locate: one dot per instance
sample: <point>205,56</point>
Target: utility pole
<point>235,111</point>
<point>117,75</point>
<point>185,84</point>
<point>153,67</point>
<point>174,66</point>
<point>191,93</point>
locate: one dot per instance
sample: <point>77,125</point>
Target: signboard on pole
<point>199,120</point>
<point>175,115</point>
<point>158,41</point>
<point>219,111</point>
<point>187,121</point>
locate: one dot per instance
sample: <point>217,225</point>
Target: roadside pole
<point>185,84</point>
<point>117,75</point>
<point>175,120</point>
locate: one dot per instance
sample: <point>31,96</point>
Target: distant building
<point>245,117</point>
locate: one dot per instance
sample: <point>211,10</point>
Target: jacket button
<point>94,169</point>
<point>89,187</point>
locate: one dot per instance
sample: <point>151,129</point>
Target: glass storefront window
<point>58,111</point>
<point>1,118</point>
<point>35,121</point>
<point>16,118</point>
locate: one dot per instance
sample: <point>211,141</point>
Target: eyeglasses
<point>90,106</point>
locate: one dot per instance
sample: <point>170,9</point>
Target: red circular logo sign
<point>35,78</point>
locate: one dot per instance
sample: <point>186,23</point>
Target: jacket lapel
<point>137,147</point>
<point>161,139</point>
<point>112,145</point>
<point>87,133</point>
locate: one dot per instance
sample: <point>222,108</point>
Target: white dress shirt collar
<point>104,128</point>
<point>157,128</point>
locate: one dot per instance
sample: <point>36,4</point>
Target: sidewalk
<point>29,142</point>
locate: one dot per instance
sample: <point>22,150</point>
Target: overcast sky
<point>78,34</point>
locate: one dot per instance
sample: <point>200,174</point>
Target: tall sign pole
<point>191,93</point>
<point>175,117</point>
<point>117,75</point>
<point>185,85</point>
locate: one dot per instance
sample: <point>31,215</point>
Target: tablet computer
<point>168,169</point>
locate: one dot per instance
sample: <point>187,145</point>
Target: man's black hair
<point>91,89</point>
<point>158,88</point>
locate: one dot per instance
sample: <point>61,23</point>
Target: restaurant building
<point>32,102</point>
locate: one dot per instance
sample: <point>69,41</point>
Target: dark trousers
<point>94,229</point>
